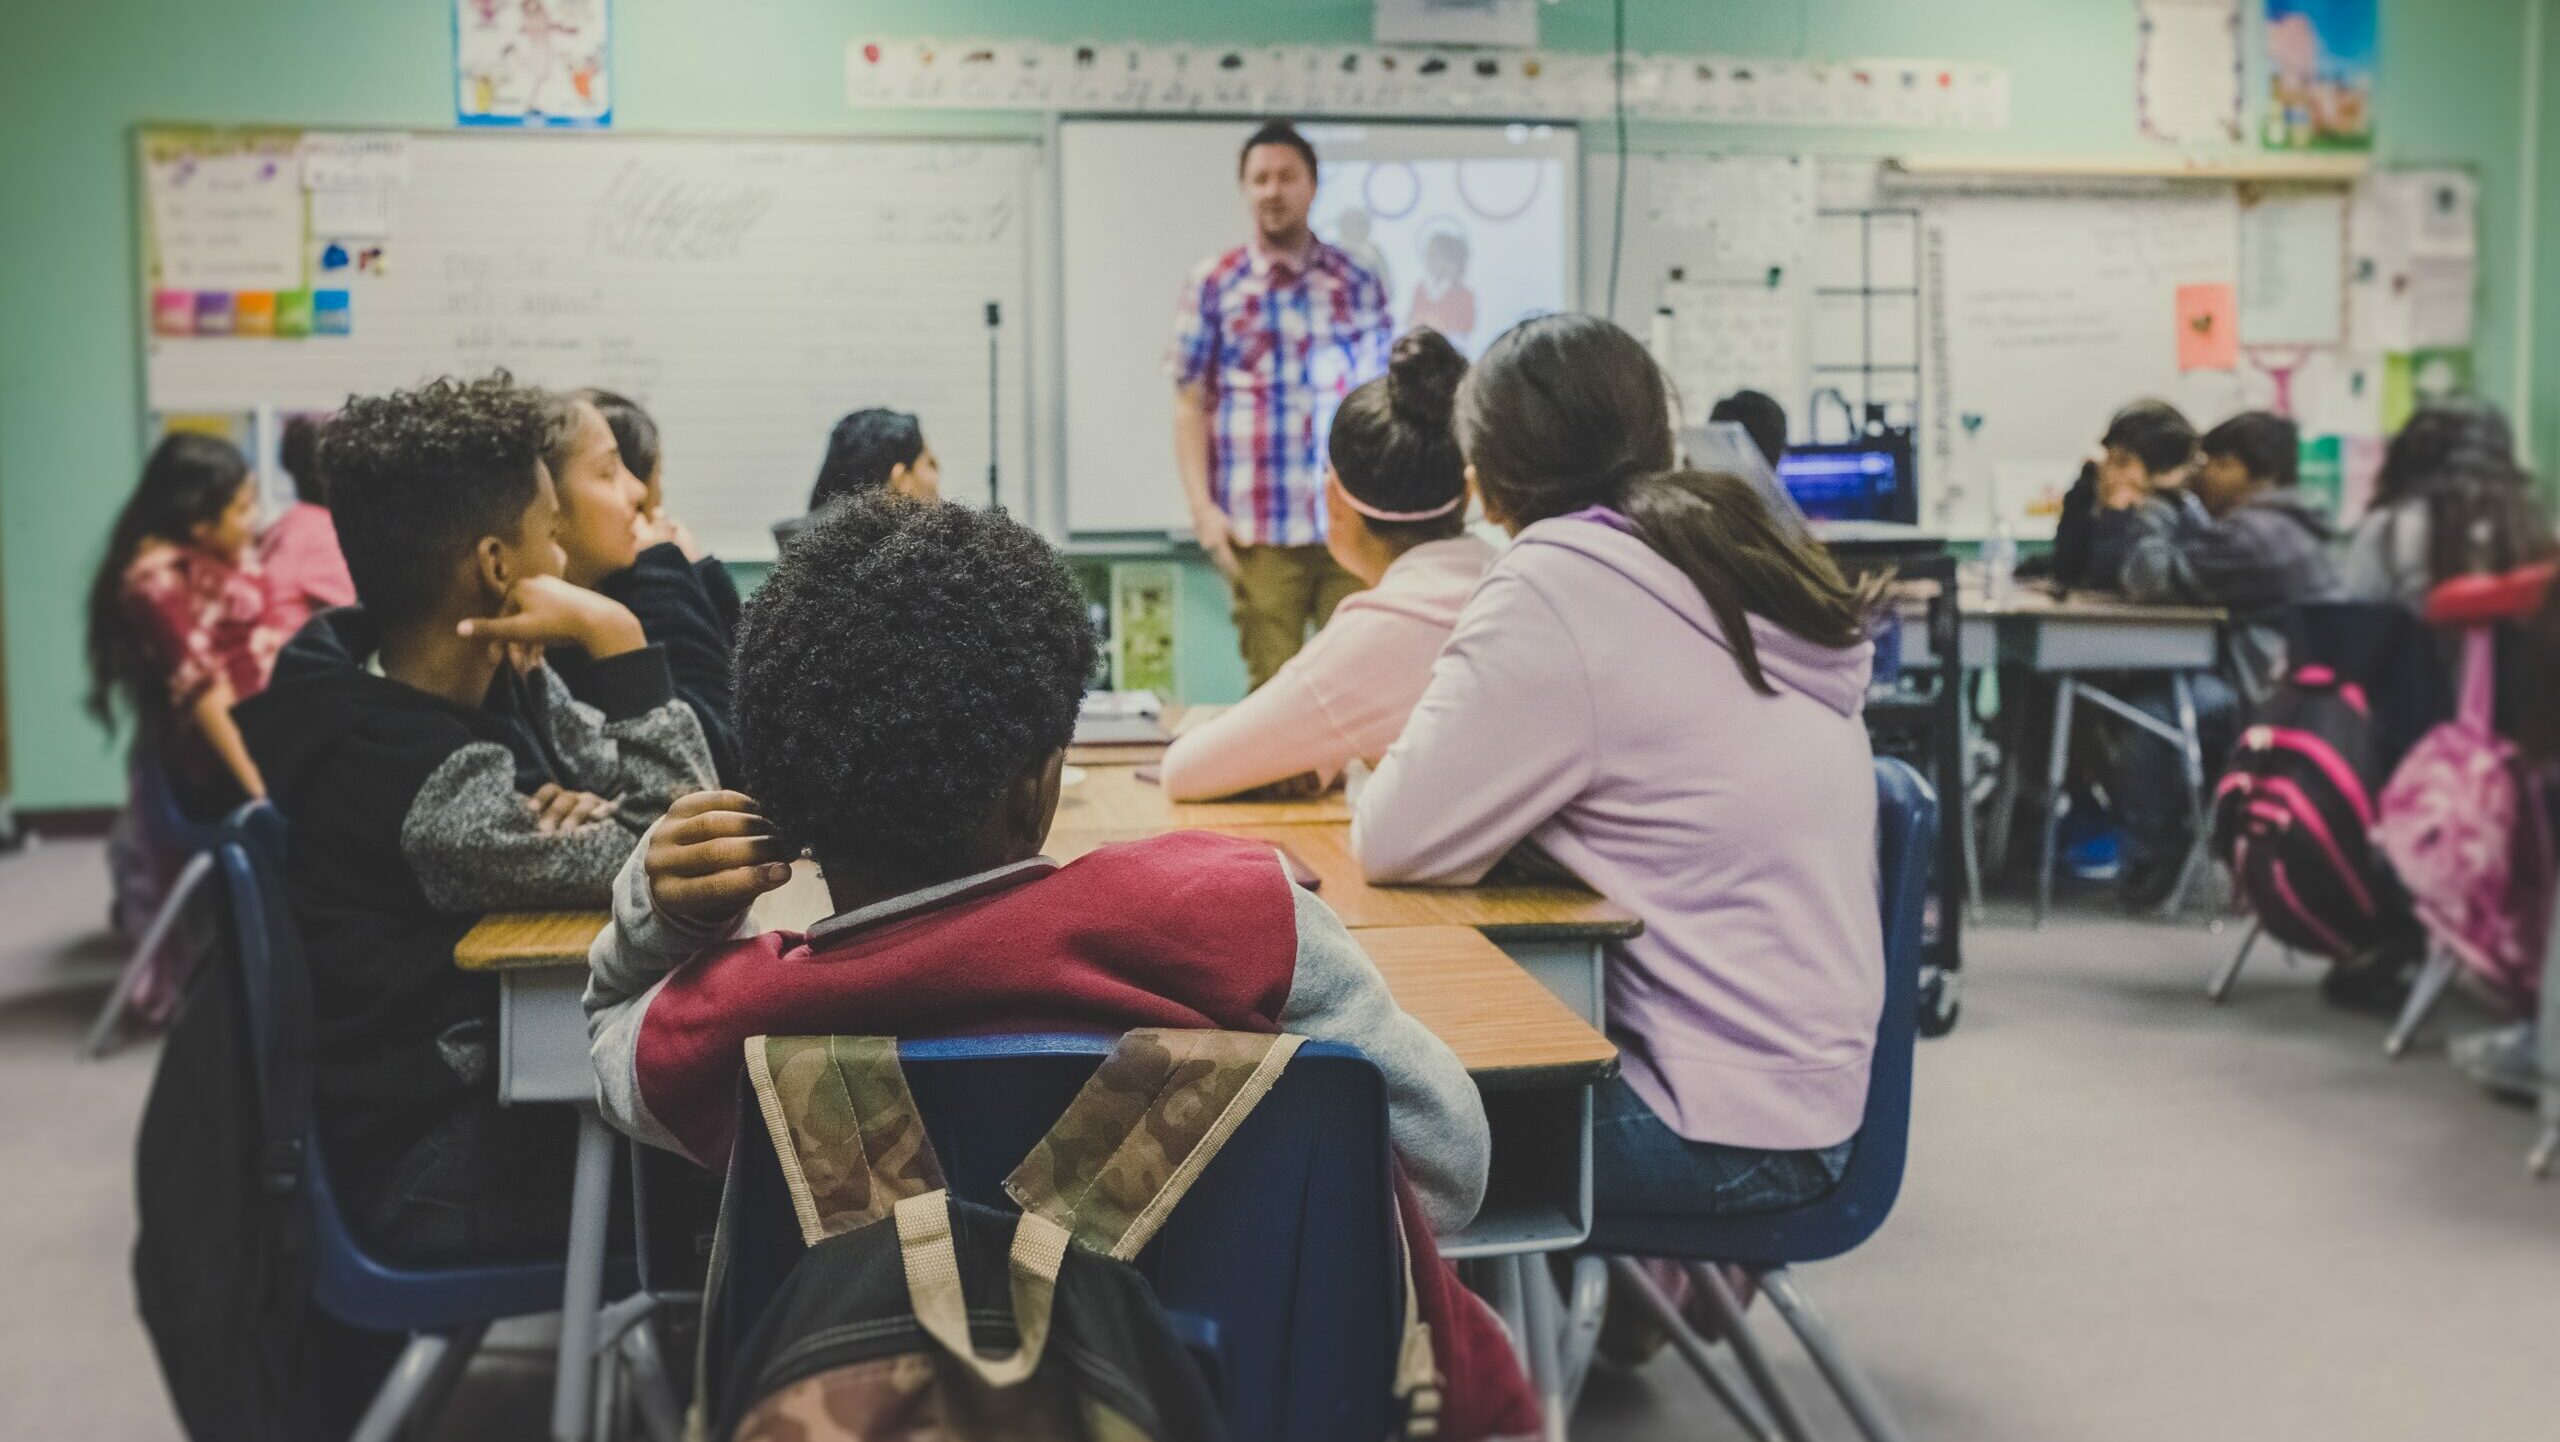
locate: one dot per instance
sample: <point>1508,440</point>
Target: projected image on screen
<point>1469,244</point>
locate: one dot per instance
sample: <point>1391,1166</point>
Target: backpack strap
<point>1145,1125</point>
<point>844,1126</point>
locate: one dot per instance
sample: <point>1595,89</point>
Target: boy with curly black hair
<point>432,769</point>
<point>908,681</point>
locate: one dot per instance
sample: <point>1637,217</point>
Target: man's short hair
<point>417,477</point>
<point>2155,433</point>
<point>901,668</point>
<point>1277,132</point>
<point>2266,445</point>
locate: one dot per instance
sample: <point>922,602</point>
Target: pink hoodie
<point>1587,702</point>
<point>1348,693</point>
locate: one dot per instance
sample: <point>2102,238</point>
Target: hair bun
<point>1423,373</point>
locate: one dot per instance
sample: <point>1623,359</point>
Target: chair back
<point>349,1283</point>
<point>1844,1217</point>
<point>1280,1264</point>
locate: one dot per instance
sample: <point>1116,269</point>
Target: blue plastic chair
<point>1767,1245</point>
<point>1280,1264</point>
<point>444,1310</point>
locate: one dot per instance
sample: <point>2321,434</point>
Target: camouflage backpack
<point>914,1314</point>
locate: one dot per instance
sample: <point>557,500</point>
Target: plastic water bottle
<point>2000,563</point>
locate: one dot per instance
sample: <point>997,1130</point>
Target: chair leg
<point>1753,1418</point>
<point>2220,987</point>
<point>425,1372</point>
<point>1708,1278</point>
<point>2423,997</point>
<point>660,1417</point>
<point>2191,754</point>
<point>1541,1314</point>
<point>1586,1305</point>
<point>1856,1394</point>
<point>2057,768</point>
<point>104,1032</point>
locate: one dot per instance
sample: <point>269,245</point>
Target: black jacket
<point>678,609</point>
<point>409,821</point>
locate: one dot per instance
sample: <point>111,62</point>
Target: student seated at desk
<point>618,548</point>
<point>2451,501</point>
<point>432,770</point>
<point>909,678</point>
<point>1661,689</point>
<point>305,573</point>
<point>871,450</point>
<point>635,435</point>
<point>2240,537</point>
<point>182,624</point>
<point>1396,502</point>
<point>2149,442</point>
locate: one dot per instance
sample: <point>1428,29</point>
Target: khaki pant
<point>1280,592</point>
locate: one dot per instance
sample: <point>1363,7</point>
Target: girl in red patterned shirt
<point>181,622</point>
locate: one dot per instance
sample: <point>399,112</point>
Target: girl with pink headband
<point>1396,502</point>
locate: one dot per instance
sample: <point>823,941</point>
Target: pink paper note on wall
<point>2208,327</point>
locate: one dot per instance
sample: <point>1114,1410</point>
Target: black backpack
<point>914,1313</point>
<point>2293,819</point>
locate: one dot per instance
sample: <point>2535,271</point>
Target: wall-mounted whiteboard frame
<point>738,521</point>
<point>1152,443</point>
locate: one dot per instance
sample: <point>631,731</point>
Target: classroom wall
<point>2546,291</point>
<point>75,79</point>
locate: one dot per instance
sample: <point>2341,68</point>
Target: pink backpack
<point>2463,826</point>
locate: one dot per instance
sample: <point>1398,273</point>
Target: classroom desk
<point>2070,637</point>
<point>1556,933</point>
<point>1534,1058</point>
<point>1112,798</point>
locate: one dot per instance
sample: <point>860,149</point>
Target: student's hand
<point>1295,788</point>
<point>548,611</point>
<point>558,811</point>
<point>2122,488</point>
<point>656,528</point>
<point>1210,526</point>
<point>712,856</point>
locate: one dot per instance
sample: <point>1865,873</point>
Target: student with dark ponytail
<point>1659,685</point>
<point>1396,501</point>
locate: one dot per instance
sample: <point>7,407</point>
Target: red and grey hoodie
<point>1184,930</point>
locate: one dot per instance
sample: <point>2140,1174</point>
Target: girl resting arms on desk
<point>1396,501</point>
<point>1662,689</point>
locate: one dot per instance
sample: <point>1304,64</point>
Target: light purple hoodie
<point>1587,701</point>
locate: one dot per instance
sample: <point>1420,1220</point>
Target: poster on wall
<point>2187,78</point>
<point>533,63</point>
<point>2320,74</point>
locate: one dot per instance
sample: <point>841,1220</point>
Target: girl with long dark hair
<point>1660,686</point>
<point>181,623</point>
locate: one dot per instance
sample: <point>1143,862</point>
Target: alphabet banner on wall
<point>994,74</point>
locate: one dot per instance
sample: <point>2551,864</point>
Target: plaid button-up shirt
<point>1278,342</point>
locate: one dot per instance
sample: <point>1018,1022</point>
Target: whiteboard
<point>2046,314</point>
<point>747,291</point>
<point>1143,202</point>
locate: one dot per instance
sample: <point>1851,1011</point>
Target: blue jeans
<point>1639,1164</point>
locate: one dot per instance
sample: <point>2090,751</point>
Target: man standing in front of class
<point>1269,338</point>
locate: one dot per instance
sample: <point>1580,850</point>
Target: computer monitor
<point>1863,480</point>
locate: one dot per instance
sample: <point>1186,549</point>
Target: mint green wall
<point>2546,317</point>
<point>74,79</point>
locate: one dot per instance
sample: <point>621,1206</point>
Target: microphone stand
<point>995,329</point>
